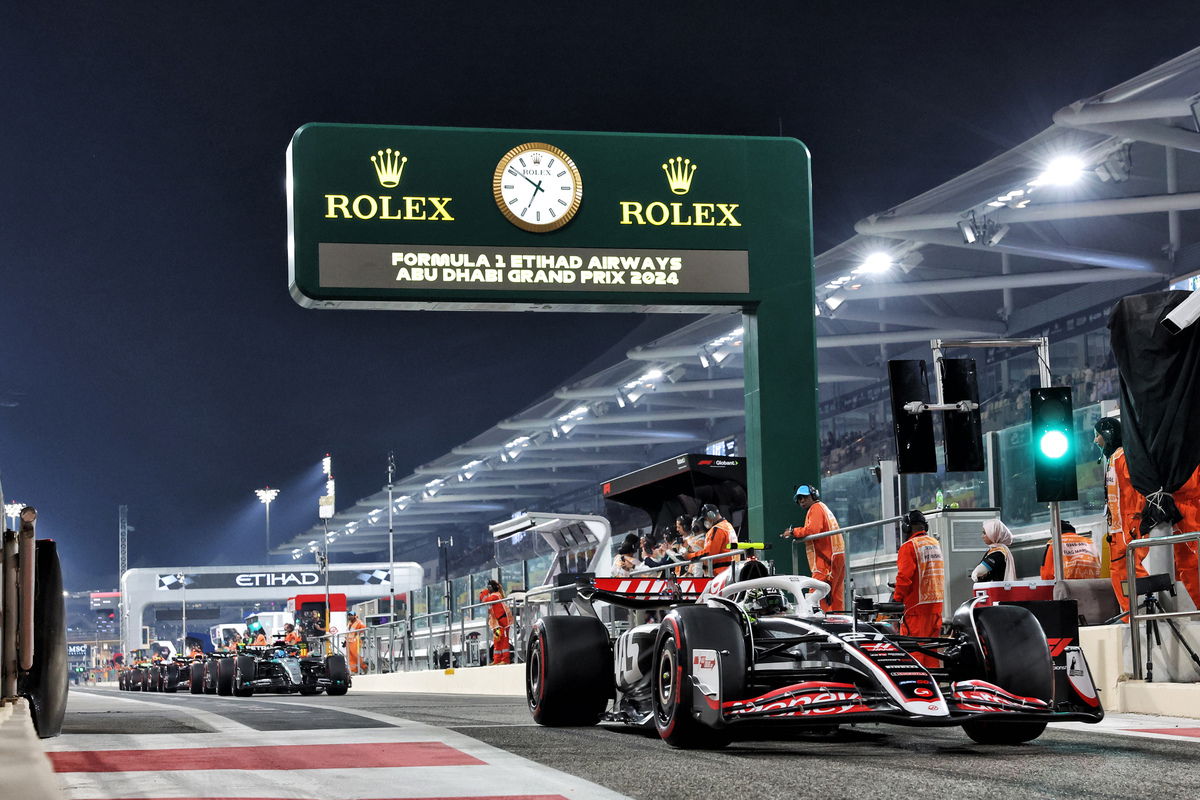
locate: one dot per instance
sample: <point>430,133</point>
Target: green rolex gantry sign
<point>392,217</point>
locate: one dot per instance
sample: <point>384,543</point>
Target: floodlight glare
<point>876,262</point>
<point>1062,171</point>
<point>267,495</point>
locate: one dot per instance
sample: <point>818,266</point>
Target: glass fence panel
<point>479,583</point>
<point>437,601</point>
<point>959,489</point>
<point>854,498</point>
<point>462,592</point>
<point>512,576</point>
<point>421,606</point>
<point>538,567</point>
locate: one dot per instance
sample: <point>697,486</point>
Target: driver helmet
<point>765,602</point>
<point>281,653</point>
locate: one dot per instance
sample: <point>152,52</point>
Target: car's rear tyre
<point>210,675</point>
<point>568,671</point>
<point>243,672</point>
<point>225,670</point>
<point>1017,659</point>
<point>338,674</point>
<point>684,631</point>
<point>171,678</point>
<point>196,677</point>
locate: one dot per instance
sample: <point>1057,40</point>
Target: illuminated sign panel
<point>407,217</point>
<point>395,217</point>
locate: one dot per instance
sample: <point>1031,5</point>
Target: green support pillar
<point>781,412</point>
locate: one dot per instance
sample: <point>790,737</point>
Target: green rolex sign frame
<point>396,217</point>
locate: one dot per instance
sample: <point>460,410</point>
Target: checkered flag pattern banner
<point>174,581</point>
<point>374,578</point>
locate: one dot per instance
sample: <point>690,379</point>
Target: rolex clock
<point>537,187</point>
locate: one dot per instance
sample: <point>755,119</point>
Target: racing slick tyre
<point>171,678</point>
<point>225,670</point>
<point>210,675</point>
<point>1017,659</point>
<point>684,631</point>
<point>244,671</point>
<point>568,671</point>
<point>338,674</point>
<point>196,679</point>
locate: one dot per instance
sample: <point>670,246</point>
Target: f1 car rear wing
<point>643,592</point>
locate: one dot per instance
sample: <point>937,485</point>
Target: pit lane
<point>868,761</point>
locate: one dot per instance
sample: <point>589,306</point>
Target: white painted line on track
<point>84,700</point>
<point>499,774</point>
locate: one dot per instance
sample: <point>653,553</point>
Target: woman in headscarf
<point>997,563</point>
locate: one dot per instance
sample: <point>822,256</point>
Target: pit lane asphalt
<point>865,762</point>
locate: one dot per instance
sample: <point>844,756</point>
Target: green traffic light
<point>1054,444</point>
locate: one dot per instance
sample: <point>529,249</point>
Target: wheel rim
<point>664,680</point>
<point>534,671</point>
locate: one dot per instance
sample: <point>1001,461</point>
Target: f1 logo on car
<point>1057,646</point>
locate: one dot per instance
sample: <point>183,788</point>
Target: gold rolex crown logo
<point>389,166</point>
<point>679,174</point>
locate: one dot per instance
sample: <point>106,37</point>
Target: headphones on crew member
<point>805,490</point>
<point>913,519</point>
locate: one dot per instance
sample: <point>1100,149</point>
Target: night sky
<point>149,352</point>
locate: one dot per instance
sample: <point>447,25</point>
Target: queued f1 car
<point>280,669</point>
<point>757,648</point>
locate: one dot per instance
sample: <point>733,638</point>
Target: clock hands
<point>537,187</point>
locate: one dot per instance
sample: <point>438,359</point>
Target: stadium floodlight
<point>266,496</point>
<point>833,301</point>
<point>1061,171</point>
<point>876,263</point>
<point>995,234</point>
<point>969,230</point>
<point>12,511</point>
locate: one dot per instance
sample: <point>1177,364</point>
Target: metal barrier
<point>1131,593</point>
<point>847,581</point>
<point>462,635</point>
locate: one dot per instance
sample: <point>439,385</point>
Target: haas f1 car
<point>758,649</point>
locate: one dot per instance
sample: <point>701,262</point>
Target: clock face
<point>537,187</point>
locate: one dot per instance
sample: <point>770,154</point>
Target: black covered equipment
<point>1160,396</point>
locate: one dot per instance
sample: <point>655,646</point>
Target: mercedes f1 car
<point>280,669</point>
<point>758,649</point>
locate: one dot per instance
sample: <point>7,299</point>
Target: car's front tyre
<point>1017,660</point>
<point>338,674</point>
<point>684,631</point>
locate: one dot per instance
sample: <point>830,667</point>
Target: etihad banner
<point>300,579</point>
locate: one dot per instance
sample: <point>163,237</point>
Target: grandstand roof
<point>1083,213</point>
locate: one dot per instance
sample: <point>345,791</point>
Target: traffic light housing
<point>914,432</point>
<point>1053,444</point>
